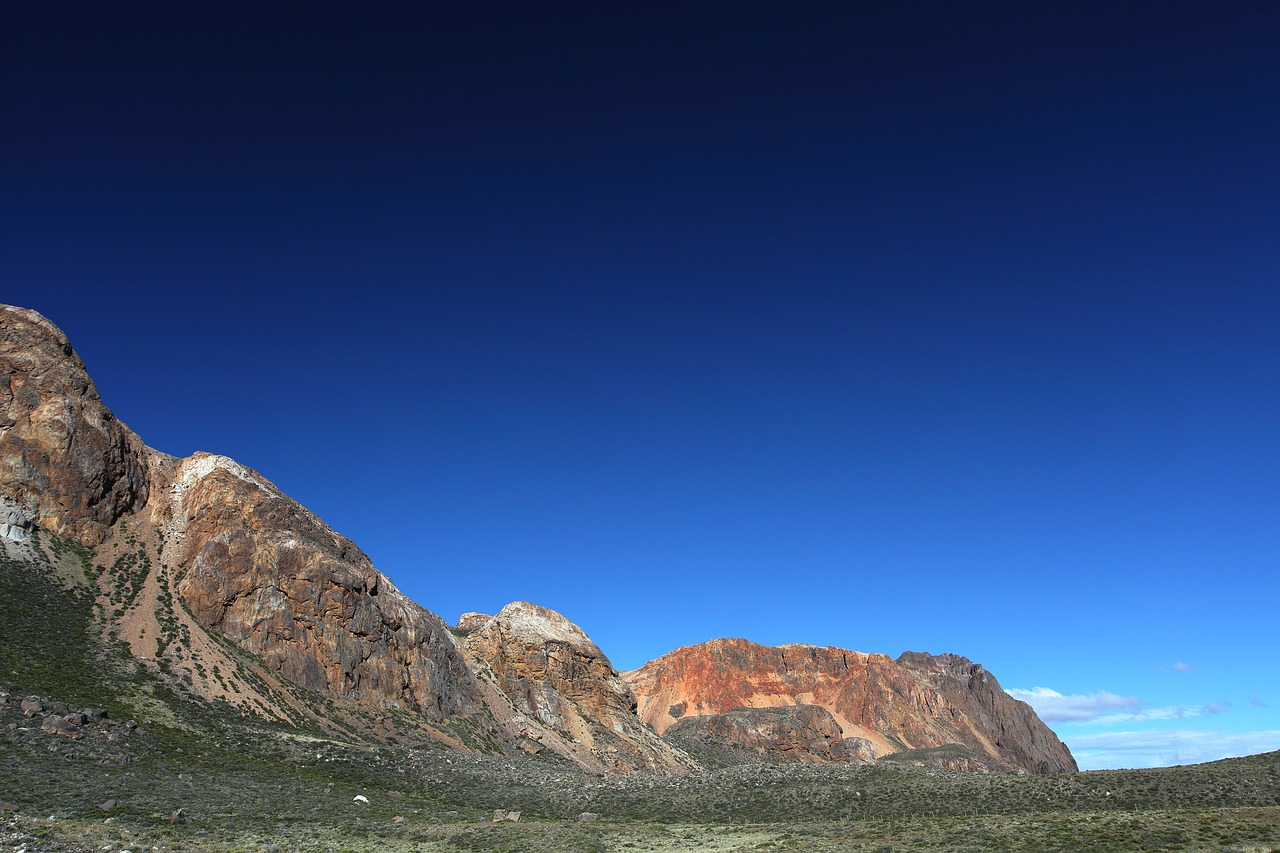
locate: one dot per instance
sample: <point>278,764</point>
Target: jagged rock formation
<point>245,561</point>
<point>916,702</point>
<point>269,575</point>
<point>468,622</point>
<point>63,456</point>
<point>799,734</point>
<point>209,573</point>
<point>555,675</point>
<point>978,704</point>
<point>204,560</point>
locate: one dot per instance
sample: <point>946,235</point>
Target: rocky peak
<point>468,622</point>
<point>919,701</point>
<point>553,673</point>
<point>66,459</point>
<point>243,560</point>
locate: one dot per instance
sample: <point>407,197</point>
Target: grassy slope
<point>248,785</point>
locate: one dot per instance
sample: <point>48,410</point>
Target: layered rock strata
<point>63,456</point>
<point>918,701</point>
<point>555,676</point>
<point>205,564</point>
<point>799,734</point>
<point>245,561</point>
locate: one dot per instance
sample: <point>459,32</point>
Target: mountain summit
<point>917,702</point>
<point>231,592</point>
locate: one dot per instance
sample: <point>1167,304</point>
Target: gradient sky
<point>945,327</point>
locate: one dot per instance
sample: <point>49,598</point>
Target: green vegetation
<point>243,783</point>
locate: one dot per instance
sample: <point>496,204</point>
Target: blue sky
<point>943,327</point>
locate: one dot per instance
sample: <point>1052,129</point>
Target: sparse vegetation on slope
<point>244,783</point>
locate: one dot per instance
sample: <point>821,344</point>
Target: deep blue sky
<point>949,327</point>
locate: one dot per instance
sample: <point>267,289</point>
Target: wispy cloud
<point>1162,748</point>
<point>1168,712</point>
<point>1054,707</point>
<point>1180,666</point>
<point>1256,702</point>
<point>1106,709</point>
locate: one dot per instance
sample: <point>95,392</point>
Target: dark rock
<point>55,725</point>
<point>179,818</point>
<point>107,805</point>
<point>788,735</point>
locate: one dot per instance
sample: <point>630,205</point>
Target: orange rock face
<point>916,702</point>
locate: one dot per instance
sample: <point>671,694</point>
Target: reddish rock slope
<point>916,702</point>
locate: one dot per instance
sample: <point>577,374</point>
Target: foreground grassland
<point>195,776</point>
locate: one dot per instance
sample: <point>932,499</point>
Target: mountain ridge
<point>918,701</point>
<point>216,579</point>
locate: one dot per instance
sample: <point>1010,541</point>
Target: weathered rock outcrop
<point>917,702</point>
<point>797,734</point>
<point>977,703</point>
<point>247,562</point>
<point>211,559</point>
<point>63,455</point>
<point>207,551</point>
<point>468,622</point>
<point>554,674</point>
<point>268,574</point>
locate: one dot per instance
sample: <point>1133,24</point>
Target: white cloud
<point>1111,750</point>
<point>1169,712</point>
<point>1181,667</point>
<point>1054,707</point>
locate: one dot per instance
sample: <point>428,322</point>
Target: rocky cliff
<point>217,579</point>
<point>555,676</point>
<point>916,702</point>
<point>212,574</point>
<point>270,576</point>
<point>64,457</point>
<point>205,543</point>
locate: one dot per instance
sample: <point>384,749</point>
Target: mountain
<point>224,590</point>
<point>555,675</point>
<point>215,578</point>
<point>917,702</point>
